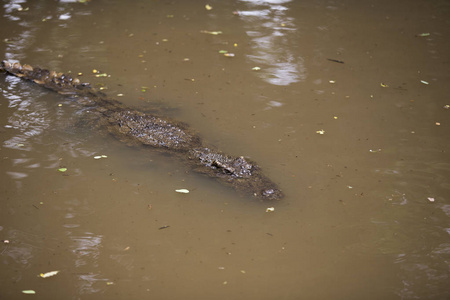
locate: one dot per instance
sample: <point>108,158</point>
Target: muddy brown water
<point>367,207</point>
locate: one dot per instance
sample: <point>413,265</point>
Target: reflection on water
<point>21,252</point>
<point>430,271</point>
<point>419,245</point>
<point>86,249</point>
<point>273,34</point>
<point>30,118</point>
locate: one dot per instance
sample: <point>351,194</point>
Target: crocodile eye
<point>268,192</point>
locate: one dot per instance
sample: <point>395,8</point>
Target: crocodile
<point>138,128</point>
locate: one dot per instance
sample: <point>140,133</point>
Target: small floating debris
<point>48,274</point>
<point>182,191</point>
<point>62,170</point>
<point>102,75</point>
<point>208,7</point>
<point>164,227</point>
<point>320,131</point>
<point>229,54</point>
<point>211,32</point>
<point>383,85</point>
<point>270,209</point>
<point>423,34</point>
<point>431,199</point>
<point>335,60</point>
<point>424,82</point>
<point>29,292</point>
<point>100,156</point>
<point>256,68</point>
<point>447,106</point>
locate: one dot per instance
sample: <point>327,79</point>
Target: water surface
<point>343,104</point>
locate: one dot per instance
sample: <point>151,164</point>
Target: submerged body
<point>137,128</point>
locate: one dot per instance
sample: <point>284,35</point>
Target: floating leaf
<point>29,292</point>
<point>423,34</point>
<point>211,32</point>
<point>384,85</point>
<point>223,51</point>
<point>62,169</point>
<point>48,274</point>
<point>183,191</point>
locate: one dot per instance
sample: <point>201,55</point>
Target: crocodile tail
<point>59,82</point>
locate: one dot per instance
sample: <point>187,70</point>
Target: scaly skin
<point>137,128</point>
